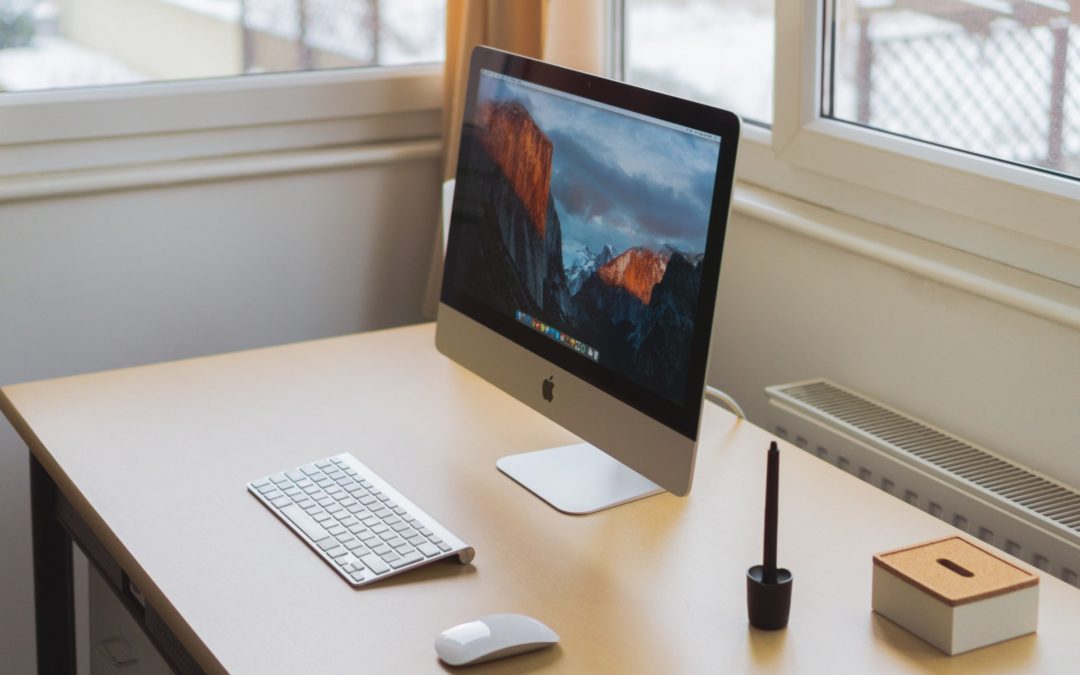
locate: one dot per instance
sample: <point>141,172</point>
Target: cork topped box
<point>954,594</point>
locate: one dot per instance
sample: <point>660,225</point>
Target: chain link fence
<point>305,34</point>
<point>1008,91</point>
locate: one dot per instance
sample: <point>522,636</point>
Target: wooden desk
<point>153,461</point>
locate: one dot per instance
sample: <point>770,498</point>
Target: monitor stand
<point>578,478</point>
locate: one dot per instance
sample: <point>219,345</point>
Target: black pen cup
<point>768,604</point>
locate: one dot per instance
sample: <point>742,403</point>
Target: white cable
<point>717,396</point>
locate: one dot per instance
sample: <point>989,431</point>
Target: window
<point>49,44</point>
<point>998,79</point>
<point>957,122</point>
<point>719,52</point>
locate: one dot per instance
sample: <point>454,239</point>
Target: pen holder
<point>768,605</point>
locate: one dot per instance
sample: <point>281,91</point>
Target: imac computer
<point>581,269</point>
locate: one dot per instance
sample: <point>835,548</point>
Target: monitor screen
<point>585,226</point>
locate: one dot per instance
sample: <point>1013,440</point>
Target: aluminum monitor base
<point>578,478</point>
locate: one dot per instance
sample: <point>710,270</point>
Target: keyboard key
<point>407,559</point>
<point>382,513</point>
<point>379,528</point>
<point>279,479</point>
<point>335,529</point>
<point>281,501</point>
<point>337,552</point>
<point>322,516</point>
<point>380,549</point>
<point>310,470</point>
<point>392,520</point>
<point>295,476</point>
<point>324,465</point>
<point>328,543</point>
<point>374,564</point>
<point>426,532</point>
<point>416,540</point>
<point>260,484</point>
<point>312,529</point>
<point>428,550</point>
<point>272,494</point>
<point>390,556</point>
<point>401,527</point>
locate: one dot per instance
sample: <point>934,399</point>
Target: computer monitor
<point>581,269</point>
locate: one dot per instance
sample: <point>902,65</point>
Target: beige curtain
<point>512,25</point>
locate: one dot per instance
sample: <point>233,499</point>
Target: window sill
<point>162,174</point>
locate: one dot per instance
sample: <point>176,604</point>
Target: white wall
<point>791,307</point>
<point>118,279</point>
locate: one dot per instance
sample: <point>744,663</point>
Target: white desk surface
<point>156,459</point>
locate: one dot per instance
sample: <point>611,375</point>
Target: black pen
<point>772,495</point>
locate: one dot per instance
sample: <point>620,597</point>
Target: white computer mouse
<point>493,637</point>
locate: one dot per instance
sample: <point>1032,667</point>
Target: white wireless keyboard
<point>356,521</point>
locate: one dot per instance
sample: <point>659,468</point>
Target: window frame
<point>55,136</point>
<point>1025,218</point>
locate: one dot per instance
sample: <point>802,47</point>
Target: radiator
<point>1003,503</point>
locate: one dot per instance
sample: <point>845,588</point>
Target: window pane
<point>716,51</point>
<point>995,77</point>
<point>46,44</point>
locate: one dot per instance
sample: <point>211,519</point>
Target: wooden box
<point>955,595</point>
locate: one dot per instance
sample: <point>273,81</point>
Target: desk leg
<point>54,587</point>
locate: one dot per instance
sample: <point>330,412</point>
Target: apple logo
<point>548,389</point>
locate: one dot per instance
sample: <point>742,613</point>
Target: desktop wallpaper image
<point>585,224</point>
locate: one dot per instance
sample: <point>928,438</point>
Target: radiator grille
<point>981,469</point>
